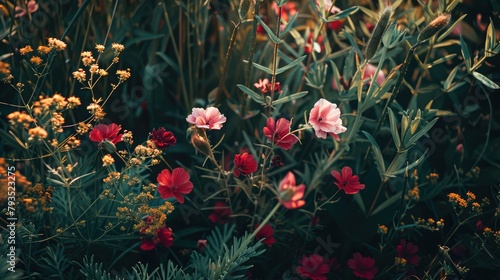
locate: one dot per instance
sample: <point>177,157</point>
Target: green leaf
<point>394,128</point>
<point>379,160</point>
<point>450,78</point>
<point>441,60</point>
<point>290,65</point>
<point>289,25</point>
<point>343,14</point>
<point>489,44</point>
<point>260,67</point>
<point>387,203</point>
<point>359,200</point>
<point>465,53</point>
<point>414,138</point>
<point>169,61</point>
<point>485,81</point>
<point>269,32</point>
<point>412,165</point>
<point>255,96</point>
<point>290,98</point>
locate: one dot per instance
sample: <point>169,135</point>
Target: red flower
<point>163,235</point>
<point>363,267</point>
<point>346,181</point>
<point>279,133</point>
<point>266,232</point>
<point>408,251</point>
<point>276,161</point>
<point>265,86</point>
<point>221,213</point>
<point>107,136</point>
<point>202,244</point>
<point>174,184</point>
<point>290,194</point>
<point>162,138</point>
<point>315,267</point>
<point>244,164</point>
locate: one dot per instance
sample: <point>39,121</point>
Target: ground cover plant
<point>243,139</point>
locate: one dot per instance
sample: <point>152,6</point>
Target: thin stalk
<point>222,87</point>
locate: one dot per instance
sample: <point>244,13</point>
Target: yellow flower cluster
<point>430,224</point>
<point>461,204</point>
<point>382,230</point>
<point>38,197</point>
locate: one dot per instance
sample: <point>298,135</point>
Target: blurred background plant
<point>407,185</point>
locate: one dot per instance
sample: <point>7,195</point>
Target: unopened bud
<point>378,31</point>
<point>434,27</point>
<point>107,145</point>
<point>200,142</point>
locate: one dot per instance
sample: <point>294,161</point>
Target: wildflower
<point>174,184</point>
<point>210,118</point>
<point>100,48</point>
<point>279,133</point>
<point>289,9</point>
<point>27,49</point>
<point>56,44</point>
<point>457,200</point>
<point>107,136</point>
<point>164,236</point>
<point>363,267</point>
<point>266,232</point>
<point>346,181</point>
<point>118,48</point>
<point>162,138</point>
<point>37,133</point>
<point>382,230</point>
<point>244,164</point>
<point>96,110</point>
<point>408,251</point>
<point>221,213</point>
<point>459,148</point>
<point>325,118</point>
<point>43,49</point>
<point>314,266</point>
<point>265,86</point>
<point>73,102</point>
<point>313,45</point>
<point>94,68</point>
<point>202,244</point>
<point>123,75</point>
<point>107,160</point>
<point>80,75</point>
<point>290,194</point>
<point>87,58</point>
<point>276,161</point>
<point>102,72</point>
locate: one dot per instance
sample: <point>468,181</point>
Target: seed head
<point>378,32</point>
<point>434,27</point>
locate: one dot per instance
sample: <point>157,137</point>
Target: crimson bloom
<point>174,184</point>
<point>363,267</point>
<point>325,119</point>
<point>164,236</point>
<point>266,232</point>
<point>265,86</point>
<point>315,267</point>
<point>244,164</point>
<point>279,133</point>
<point>290,194</point>
<point>210,118</point>
<point>346,181</point>
<point>162,138</point>
<point>107,136</point>
<point>221,213</point>
<point>408,251</point>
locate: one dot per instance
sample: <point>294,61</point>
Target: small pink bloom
<point>279,133</point>
<point>290,194</point>
<point>460,148</point>
<point>174,184</point>
<point>314,267</point>
<point>266,232</point>
<point>346,181</point>
<point>202,244</point>
<point>370,71</point>
<point>210,118</point>
<point>363,267</point>
<point>325,119</point>
<point>289,10</point>
<point>265,86</point>
<point>32,6</point>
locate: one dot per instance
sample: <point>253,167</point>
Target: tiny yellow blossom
<point>27,49</point>
<point>56,44</point>
<point>36,60</point>
<point>100,48</point>
<point>107,160</point>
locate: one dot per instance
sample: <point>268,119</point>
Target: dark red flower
<point>162,138</point>
<point>408,251</point>
<point>315,267</point>
<point>276,161</point>
<point>363,267</point>
<point>279,133</point>
<point>106,135</point>
<point>221,213</point>
<point>174,184</point>
<point>336,25</point>
<point>244,164</point>
<point>266,232</point>
<point>346,181</point>
<point>163,235</point>
<point>202,244</point>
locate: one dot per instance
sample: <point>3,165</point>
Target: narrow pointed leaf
<point>485,81</point>
<point>343,14</point>
<point>269,32</point>
<point>290,98</point>
<point>414,138</point>
<point>465,53</point>
<point>290,65</point>
<point>260,67</point>
<point>394,128</point>
<point>289,25</point>
<point>379,160</point>
<point>255,96</point>
<point>393,199</point>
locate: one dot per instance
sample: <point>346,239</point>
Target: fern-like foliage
<point>94,271</point>
<point>55,263</point>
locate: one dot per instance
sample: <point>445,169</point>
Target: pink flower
<point>408,251</point>
<point>202,244</point>
<point>163,235</point>
<point>107,136</point>
<point>290,194</point>
<point>289,9</point>
<point>363,267</point>
<point>346,181</point>
<point>244,164</point>
<point>325,119</point>
<point>315,267</point>
<point>210,118</point>
<point>174,184</point>
<point>265,86</point>
<point>279,133</point>
<point>369,72</point>
<point>266,232</point>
